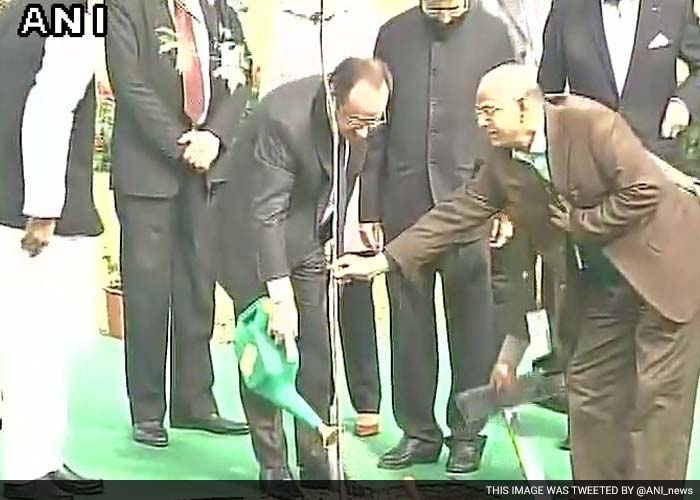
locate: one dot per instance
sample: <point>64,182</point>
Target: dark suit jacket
<point>268,215</point>
<point>622,200</point>
<point>575,49</point>
<point>150,114</point>
<point>21,59</point>
<point>432,141</point>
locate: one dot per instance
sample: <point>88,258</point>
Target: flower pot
<point>115,312</point>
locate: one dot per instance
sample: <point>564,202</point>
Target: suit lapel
<point>601,43</point>
<point>210,19</point>
<point>320,133</point>
<point>558,146</point>
<point>648,25</point>
<point>159,15</point>
<point>358,153</point>
<point>324,154</point>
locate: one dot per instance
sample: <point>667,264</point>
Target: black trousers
<point>168,295</point>
<point>359,339</point>
<point>473,347</point>
<point>513,276</point>
<point>314,381</point>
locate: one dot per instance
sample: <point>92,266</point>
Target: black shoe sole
<point>211,430</point>
<point>462,471</point>
<point>410,463</point>
<point>151,444</point>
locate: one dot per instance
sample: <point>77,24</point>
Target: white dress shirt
<point>620,25</point>
<point>202,41</point>
<point>67,67</point>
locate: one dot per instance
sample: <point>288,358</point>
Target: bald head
<point>508,81</point>
<point>509,105</point>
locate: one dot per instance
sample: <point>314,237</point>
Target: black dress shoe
<point>548,365</point>
<point>465,456</point>
<point>408,452</point>
<point>556,403</point>
<point>41,489</point>
<point>213,423</point>
<point>150,433</point>
<point>70,481</point>
<point>279,483</point>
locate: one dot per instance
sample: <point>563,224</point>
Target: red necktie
<point>192,81</point>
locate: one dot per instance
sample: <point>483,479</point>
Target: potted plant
<point>115,299</point>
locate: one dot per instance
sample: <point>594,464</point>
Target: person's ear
<point>524,107</point>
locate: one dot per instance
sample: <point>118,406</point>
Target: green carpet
<point>100,445</point>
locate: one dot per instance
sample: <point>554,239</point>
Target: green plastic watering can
<point>271,374</point>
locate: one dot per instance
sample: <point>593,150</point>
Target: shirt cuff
<point>280,289</point>
<point>680,100</point>
<point>44,201</point>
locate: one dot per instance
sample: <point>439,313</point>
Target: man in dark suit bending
<point>274,218</point>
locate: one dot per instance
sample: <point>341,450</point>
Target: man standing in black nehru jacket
<point>48,225</point>
<point>437,53</point>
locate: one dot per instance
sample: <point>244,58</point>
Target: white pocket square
<point>659,41</point>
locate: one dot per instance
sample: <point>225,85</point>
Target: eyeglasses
<point>357,122</point>
<point>488,111</point>
<point>454,11</point>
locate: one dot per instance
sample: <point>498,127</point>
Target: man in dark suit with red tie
<point>175,121</point>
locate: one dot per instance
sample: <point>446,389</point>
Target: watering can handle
<point>290,345</point>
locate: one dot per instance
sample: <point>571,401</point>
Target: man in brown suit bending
<point>572,173</point>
